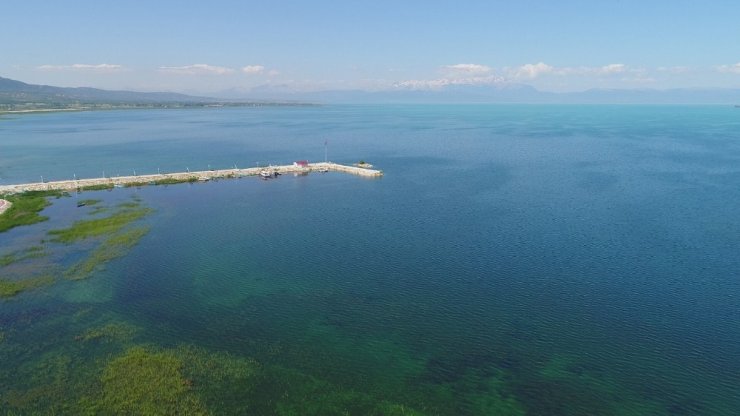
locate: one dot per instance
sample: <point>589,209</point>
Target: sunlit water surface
<point>547,260</point>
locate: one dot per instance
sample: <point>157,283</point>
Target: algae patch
<point>114,247</point>
<point>84,229</point>
<point>147,382</point>
<point>88,202</point>
<point>302,394</point>
<point>20,255</point>
<point>10,288</point>
<point>119,238</point>
<point>167,382</point>
<point>116,331</point>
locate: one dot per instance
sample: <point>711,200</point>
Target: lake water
<point>541,260</point>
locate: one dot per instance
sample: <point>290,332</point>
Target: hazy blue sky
<point>206,46</point>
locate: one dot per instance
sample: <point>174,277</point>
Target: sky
<point>213,46</point>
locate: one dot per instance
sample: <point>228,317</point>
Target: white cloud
<point>541,73</point>
<point>532,70</point>
<point>82,67</point>
<point>253,69</point>
<point>612,69</point>
<point>458,74</point>
<point>196,69</point>
<point>432,84</point>
<point>639,79</point>
<point>673,69</point>
<point>467,69</point>
<point>734,69</point>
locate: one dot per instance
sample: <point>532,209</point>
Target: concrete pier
<point>165,178</point>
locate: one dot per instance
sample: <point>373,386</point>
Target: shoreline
<point>183,177</point>
<point>43,110</point>
<point>158,106</point>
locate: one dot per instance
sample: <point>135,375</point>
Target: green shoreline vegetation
<point>174,181</point>
<point>26,207</point>
<point>100,187</point>
<point>167,181</point>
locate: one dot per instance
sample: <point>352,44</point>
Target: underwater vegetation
<point>117,242</point>
<point>98,210</point>
<point>115,331</point>
<point>112,248</point>
<point>112,234</point>
<point>32,252</point>
<point>302,394</point>
<point>84,229</point>
<point>144,379</point>
<point>26,207</point>
<point>88,202</point>
<point>146,382</point>
<point>10,288</point>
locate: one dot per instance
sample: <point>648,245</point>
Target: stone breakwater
<point>164,178</point>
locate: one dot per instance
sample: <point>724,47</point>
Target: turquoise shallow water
<point>513,259</point>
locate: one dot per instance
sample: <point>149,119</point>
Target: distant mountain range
<point>17,92</point>
<point>19,95</point>
<point>498,94</point>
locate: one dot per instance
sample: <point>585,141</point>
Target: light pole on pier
<point>326,151</point>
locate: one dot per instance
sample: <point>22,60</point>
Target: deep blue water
<point>568,259</point>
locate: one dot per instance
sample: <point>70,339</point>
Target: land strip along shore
<point>163,178</point>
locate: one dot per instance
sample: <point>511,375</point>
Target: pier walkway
<point>171,178</point>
